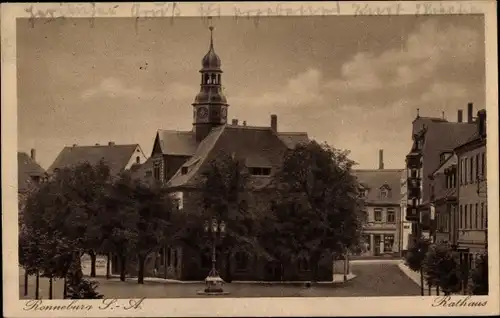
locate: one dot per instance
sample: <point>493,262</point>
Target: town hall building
<point>179,158</point>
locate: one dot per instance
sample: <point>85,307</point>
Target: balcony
<point>472,237</point>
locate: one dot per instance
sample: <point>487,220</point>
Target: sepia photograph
<point>224,157</point>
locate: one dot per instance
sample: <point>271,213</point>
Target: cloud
<point>114,88</point>
<point>416,72</point>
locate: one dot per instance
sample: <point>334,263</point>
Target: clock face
<point>202,113</point>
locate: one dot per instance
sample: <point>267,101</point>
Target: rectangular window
<point>471,170</point>
<point>482,216</point>
<point>378,215</point>
<point>484,165</point>
<point>260,171</point>
<point>391,216</point>
<point>157,171</point>
<point>477,174</point>
<point>388,243</point>
<point>471,216</point>
<point>461,217</point>
<point>462,171</point>
<point>466,217</point>
<point>477,222</point>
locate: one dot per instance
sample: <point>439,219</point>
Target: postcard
<point>250,159</point>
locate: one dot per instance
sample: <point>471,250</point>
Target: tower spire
<point>211,28</point>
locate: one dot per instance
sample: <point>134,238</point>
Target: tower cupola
<point>210,104</point>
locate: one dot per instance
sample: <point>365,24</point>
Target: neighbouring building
<point>472,216</point>
<point>381,191</point>
<point>29,175</point>
<point>405,225</point>
<point>179,158</point>
<point>118,157</point>
<point>443,199</point>
<point>433,138</point>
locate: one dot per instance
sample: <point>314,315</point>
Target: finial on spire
<point>211,28</point>
<point>418,112</point>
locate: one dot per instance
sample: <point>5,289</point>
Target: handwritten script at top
<point>217,9</point>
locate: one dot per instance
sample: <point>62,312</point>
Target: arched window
<point>207,79</point>
<point>214,79</point>
<point>137,159</point>
<point>218,79</point>
<point>205,258</point>
<point>241,260</point>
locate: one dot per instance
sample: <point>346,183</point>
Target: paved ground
<point>373,278</point>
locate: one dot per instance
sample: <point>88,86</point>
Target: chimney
<point>33,154</point>
<point>274,122</point>
<point>460,115</point>
<point>381,159</point>
<point>111,143</point>
<point>470,107</point>
<point>235,122</point>
<point>244,123</point>
<point>74,145</point>
<point>481,122</point>
<point>97,144</point>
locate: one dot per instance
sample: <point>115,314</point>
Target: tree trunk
<point>65,288</point>
<point>123,267</point>
<point>437,290</point>
<point>51,287</point>
<point>25,283</point>
<point>422,289</point>
<point>93,257</point>
<point>429,288</point>
<point>108,266</point>
<point>229,277</point>
<point>140,275</point>
<point>37,286</point>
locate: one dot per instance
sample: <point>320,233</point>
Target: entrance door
<point>274,271</point>
<point>376,243</point>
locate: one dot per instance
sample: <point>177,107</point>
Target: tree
<point>57,218</point>
<point>479,276</point>
<point>225,193</point>
<point>154,227</point>
<point>415,256</point>
<point>118,220</point>
<point>441,268</point>
<point>317,202</point>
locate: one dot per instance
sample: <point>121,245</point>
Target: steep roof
<point>452,160</point>
<point>257,146</point>
<point>27,168</point>
<point>179,143</point>
<point>115,156</point>
<point>292,139</point>
<point>374,180</point>
<point>439,138</point>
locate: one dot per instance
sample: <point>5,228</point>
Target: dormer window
<point>260,171</point>
<point>385,192</point>
<point>184,170</point>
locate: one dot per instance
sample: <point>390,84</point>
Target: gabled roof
<point>177,143</point>
<point>292,139</point>
<point>375,180</point>
<point>255,145</point>
<point>452,160</point>
<point>115,156</point>
<point>27,168</point>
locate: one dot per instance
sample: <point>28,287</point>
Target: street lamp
<point>213,281</point>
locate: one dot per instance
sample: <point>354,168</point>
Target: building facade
<point>381,191</point>
<point>472,215</point>
<point>432,139</point>
<point>405,225</point>
<point>179,159</point>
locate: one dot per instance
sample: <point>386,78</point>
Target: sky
<point>353,82</point>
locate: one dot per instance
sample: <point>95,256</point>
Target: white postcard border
<point>372,306</point>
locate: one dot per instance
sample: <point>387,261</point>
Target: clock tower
<point>210,105</point>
